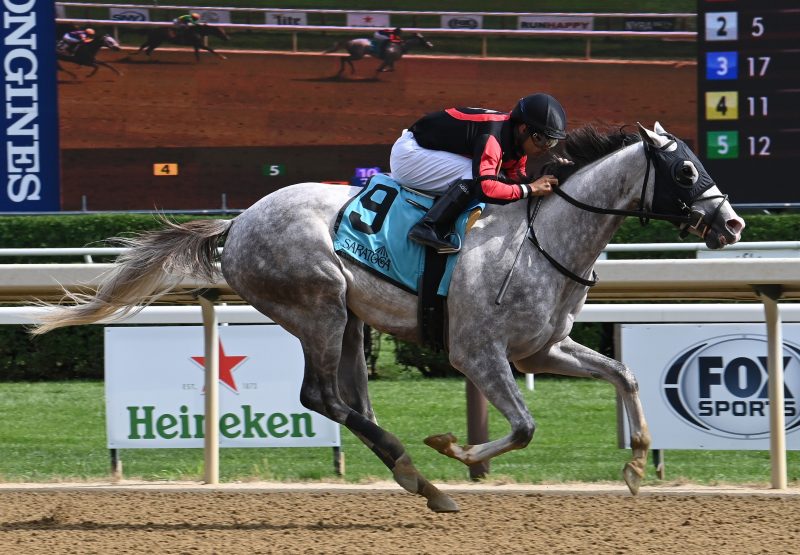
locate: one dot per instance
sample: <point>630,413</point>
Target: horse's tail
<point>336,46</point>
<point>155,264</point>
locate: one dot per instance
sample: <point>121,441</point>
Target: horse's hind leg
<point>353,369</point>
<point>329,339</point>
<point>323,348</point>
<point>573,359</point>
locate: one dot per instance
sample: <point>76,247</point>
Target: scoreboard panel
<point>748,102</point>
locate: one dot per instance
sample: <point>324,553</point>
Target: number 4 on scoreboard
<point>165,169</point>
<point>722,105</point>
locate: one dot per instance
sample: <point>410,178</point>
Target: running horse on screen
<point>358,48</point>
<point>191,36</point>
<point>85,54</point>
<point>279,257</point>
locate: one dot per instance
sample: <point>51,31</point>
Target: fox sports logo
<point>130,15</point>
<point>721,386</point>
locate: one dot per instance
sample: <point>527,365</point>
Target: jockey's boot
<point>441,215</point>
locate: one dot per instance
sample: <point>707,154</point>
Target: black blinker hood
<point>670,194</point>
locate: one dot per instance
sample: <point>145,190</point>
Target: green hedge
<point>77,353</point>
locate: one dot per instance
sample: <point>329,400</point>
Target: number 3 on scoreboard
<point>722,105</point>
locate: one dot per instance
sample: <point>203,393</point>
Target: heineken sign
<point>155,397</point>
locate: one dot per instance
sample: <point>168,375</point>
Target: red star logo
<point>368,19</point>
<point>226,366</point>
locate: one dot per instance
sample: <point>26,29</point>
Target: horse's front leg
<point>95,66</point>
<point>490,372</point>
<point>209,49</point>
<point>569,358</point>
<point>109,66</point>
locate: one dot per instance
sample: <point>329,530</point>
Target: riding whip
<point>507,281</point>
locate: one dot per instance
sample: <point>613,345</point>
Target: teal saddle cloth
<point>371,230</point>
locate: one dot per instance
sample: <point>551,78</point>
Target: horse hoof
<point>439,502</point>
<point>441,442</point>
<point>633,477</point>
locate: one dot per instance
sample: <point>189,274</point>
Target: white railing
<point>766,280</point>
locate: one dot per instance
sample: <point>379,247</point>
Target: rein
<point>686,220</point>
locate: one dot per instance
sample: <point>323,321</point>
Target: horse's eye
<point>686,174</point>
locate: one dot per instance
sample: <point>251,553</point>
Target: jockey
<point>186,20</point>
<point>79,36</point>
<point>468,154</point>
<point>383,37</point>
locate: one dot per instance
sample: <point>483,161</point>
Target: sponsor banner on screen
<point>29,163</point>
<point>555,23</point>
<point>462,21</point>
<point>650,24</point>
<point>129,14</point>
<point>368,20</point>
<point>286,18</point>
<point>214,17</point>
<point>706,386</point>
<point>155,394</point>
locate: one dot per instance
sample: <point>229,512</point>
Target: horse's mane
<point>588,144</point>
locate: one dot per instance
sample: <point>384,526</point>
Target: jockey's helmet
<point>543,114</point>
<point>89,32</point>
<point>196,16</point>
<point>397,31</point>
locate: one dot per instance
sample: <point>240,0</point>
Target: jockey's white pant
<point>428,170</point>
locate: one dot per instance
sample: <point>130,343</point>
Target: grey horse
<point>85,53</point>
<point>358,48</point>
<point>279,257</point>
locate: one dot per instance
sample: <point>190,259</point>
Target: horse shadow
<point>340,79</point>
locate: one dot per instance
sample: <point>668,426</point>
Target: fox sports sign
<point>705,387</point>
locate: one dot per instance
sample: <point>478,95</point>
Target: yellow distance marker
<point>165,169</point>
<point>722,105</point>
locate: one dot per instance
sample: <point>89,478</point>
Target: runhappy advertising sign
<point>154,389</point>
<point>707,387</point>
<point>29,162</point>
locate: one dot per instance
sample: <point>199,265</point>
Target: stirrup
<point>450,250</point>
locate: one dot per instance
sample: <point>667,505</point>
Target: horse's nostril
<point>735,225</point>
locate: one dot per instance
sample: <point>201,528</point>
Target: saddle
<point>371,230</point>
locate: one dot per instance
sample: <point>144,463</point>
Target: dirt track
<point>222,121</point>
<point>370,521</point>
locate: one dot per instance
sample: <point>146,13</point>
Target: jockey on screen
<point>186,21</point>
<point>79,36</point>
<point>468,154</point>
<point>384,37</point>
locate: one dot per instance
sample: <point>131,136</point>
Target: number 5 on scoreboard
<point>722,144</point>
<point>722,105</point>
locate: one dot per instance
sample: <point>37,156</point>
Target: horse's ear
<point>647,135</point>
<point>659,129</point>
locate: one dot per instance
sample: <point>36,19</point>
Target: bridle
<point>687,218</point>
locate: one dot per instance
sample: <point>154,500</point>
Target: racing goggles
<point>542,141</point>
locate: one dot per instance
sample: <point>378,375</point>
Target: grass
<point>56,431</point>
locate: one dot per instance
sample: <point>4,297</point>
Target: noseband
<point>688,218</point>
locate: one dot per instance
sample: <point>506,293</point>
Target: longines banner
<point>706,386</point>
<point>154,380</point>
<point>29,161</point>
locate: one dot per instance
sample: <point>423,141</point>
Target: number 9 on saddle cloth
<point>371,231</point>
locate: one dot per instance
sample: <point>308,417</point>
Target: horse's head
<point>109,42</point>
<point>418,39</point>
<point>683,186</point>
